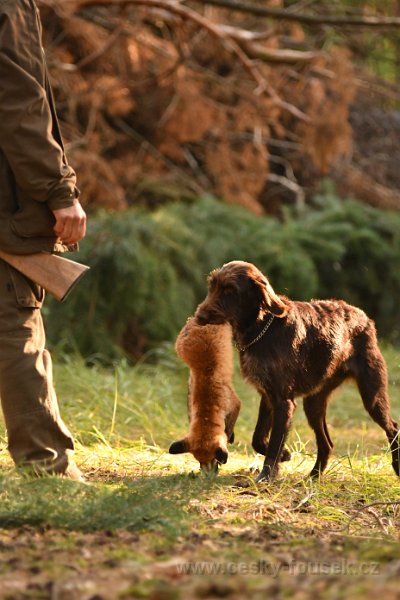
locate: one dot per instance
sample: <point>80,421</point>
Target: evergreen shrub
<point>148,269</point>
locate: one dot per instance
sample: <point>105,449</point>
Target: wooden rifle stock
<point>55,274</point>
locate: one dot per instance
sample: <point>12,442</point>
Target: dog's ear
<point>270,300</point>
<point>179,447</point>
<point>221,455</point>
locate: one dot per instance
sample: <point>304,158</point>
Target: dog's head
<point>239,289</point>
<point>209,452</point>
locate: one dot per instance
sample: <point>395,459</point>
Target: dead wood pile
<point>158,103</point>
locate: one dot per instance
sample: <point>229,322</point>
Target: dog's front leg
<point>282,414</point>
<point>262,429</point>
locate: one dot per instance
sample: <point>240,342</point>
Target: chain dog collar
<point>263,332</point>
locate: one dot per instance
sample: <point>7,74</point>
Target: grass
<point>151,526</point>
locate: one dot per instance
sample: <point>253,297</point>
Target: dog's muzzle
<point>205,317</point>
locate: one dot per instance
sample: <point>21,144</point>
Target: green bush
<point>148,269</point>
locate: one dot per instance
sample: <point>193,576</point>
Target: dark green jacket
<point>35,177</point>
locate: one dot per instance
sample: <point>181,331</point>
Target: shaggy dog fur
<point>212,402</point>
<point>308,350</point>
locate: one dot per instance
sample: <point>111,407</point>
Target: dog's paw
<point>269,471</point>
<point>315,474</point>
<point>265,475</point>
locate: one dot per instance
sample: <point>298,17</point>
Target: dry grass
<point>151,526</point>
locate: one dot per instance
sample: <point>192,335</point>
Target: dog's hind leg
<point>262,430</point>
<point>371,376</point>
<point>315,406</point>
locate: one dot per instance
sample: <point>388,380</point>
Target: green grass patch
<point>149,521</point>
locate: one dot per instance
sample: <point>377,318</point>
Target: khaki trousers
<point>37,437</point>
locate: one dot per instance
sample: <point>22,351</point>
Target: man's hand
<point>70,223</point>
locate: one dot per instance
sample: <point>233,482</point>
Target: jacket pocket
<point>28,294</point>
<point>32,219</point>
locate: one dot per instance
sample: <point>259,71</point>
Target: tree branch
<point>248,41</point>
<point>284,15</point>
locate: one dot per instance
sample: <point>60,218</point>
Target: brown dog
<point>289,349</point>
<point>213,404</point>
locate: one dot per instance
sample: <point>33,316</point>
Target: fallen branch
<point>284,15</point>
<point>247,40</point>
<point>280,56</point>
<point>290,185</point>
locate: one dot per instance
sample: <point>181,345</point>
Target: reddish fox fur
<point>212,402</point>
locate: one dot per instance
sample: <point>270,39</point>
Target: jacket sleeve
<point>27,119</point>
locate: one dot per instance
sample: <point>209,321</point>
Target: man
<point>39,210</point>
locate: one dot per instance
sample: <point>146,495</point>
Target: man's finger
<point>67,230</point>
